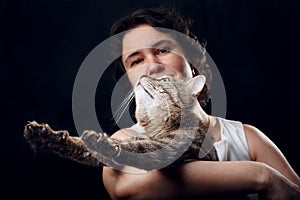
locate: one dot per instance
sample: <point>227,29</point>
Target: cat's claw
<point>41,136</point>
<point>100,143</point>
<point>91,138</point>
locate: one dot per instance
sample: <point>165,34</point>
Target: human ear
<point>196,84</point>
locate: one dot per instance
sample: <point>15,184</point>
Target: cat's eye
<point>165,79</point>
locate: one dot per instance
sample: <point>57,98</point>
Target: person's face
<point>146,51</point>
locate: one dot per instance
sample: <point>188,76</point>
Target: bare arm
<point>192,179</point>
<point>197,179</point>
<point>262,149</point>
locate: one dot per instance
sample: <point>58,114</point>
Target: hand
<point>280,188</point>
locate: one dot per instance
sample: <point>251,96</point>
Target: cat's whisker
<point>123,106</point>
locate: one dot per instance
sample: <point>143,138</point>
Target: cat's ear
<point>196,84</point>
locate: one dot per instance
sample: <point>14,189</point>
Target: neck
<point>199,112</point>
<point>213,128</point>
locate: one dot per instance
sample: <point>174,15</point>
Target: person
<point>251,163</point>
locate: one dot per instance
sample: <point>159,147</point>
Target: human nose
<point>154,69</point>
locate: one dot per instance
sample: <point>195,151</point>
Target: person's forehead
<point>143,37</point>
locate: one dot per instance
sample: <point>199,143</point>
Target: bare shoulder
<point>253,134</point>
<point>256,139</point>
<point>108,172</point>
<point>120,134</point>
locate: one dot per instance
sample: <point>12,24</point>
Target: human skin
<point>267,173</point>
<point>156,53</point>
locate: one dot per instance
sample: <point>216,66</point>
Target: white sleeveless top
<point>233,145</point>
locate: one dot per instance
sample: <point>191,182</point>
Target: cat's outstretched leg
<point>102,147</point>
<point>143,153</point>
<point>42,138</point>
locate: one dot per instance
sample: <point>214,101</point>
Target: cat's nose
<point>155,69</point>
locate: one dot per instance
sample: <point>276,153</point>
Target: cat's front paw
<point>42,137</point>
<point>100,144</point>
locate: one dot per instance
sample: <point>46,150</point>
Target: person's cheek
<point>135,74</point>
<point>178,64</point>
<point>133,78</point>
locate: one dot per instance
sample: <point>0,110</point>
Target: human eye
<point>135,62</point>
<point>163,50</point>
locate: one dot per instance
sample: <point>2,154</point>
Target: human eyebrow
<point>163,42</point>
<point>131,55</point>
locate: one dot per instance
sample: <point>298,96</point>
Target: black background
<point>255,45</point>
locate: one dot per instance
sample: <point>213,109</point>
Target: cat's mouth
<point>147,92</point>
<point>145,89</point>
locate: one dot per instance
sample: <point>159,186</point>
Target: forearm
<point>242,177</point>
<point>191,180</point>
<point>238,177</point>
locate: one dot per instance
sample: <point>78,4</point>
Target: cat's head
<point>162,102</point>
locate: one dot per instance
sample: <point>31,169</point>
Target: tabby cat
<point>171,131</point>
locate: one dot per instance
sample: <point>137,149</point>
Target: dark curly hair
<point>168,18</point>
